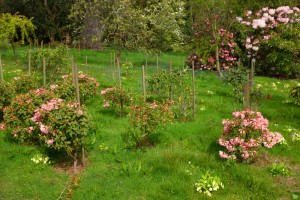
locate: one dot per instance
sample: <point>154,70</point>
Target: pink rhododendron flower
<point>106,104</point>
<point>65,76</point>
<point>49,142</point>
<point>2,127</point>
<point>82,76</point>
<point>53,87</point>
<point>44,129</point>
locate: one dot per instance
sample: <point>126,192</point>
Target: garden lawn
<point>182,152</point>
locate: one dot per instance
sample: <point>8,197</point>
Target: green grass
<point>180,147</point>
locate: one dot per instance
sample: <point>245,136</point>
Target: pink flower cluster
<point>263,21</point>
<point>226,53</point>
<point>103,92</point>
<point>244,134</point>
<point>40,112</point>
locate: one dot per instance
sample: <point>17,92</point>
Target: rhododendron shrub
<point>145,119</point>
<point>217,49</point>
<point>272,36</point>
<point>116,98</point>
<point>88,87</point>
<point>18,114</point>
<point>62,125</point>
<point>245,134</point>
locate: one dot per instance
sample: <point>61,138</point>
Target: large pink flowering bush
<point>263,22</point>
<point>17,115</point>
<point>62,125</point>
<point>245,134</point>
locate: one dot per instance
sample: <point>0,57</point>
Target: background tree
<point>15,27</point>
<point>49,16</point>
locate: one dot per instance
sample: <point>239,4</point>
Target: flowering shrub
<point>145,119</point>
<point>263,22</point>
<point>66,89</point>
<point>25,83</point>
<point>117,98</point>
<point>245,134</point>
<point>275,32</point>
<point>208,184</point>
<point>17,115</point>
<point>207,60</point>
<point>62,126</point>
<point>7,93</point>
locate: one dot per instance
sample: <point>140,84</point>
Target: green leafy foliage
<point>208,184</point>
<point>145,119</point>
<point>117,98</point>
<point>295,94</point>
<point>165,83</point>
<point>88,87</point>
<point>279,169</point>
<point>57,61</point>
<point>13,26</point>
<point>25,83</point>
<point>238,79</point>
<point>7,93</point>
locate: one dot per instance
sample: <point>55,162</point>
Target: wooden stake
<point>86,64</point>
<point>29,61</point>
<point>146,69</point>
<point>44,71</point>
<point>114,71</point>
<point>144,82</point>
<point>77,85</point>
<point>42,44</point>
<point>73,69</point>
<point>194,89</point>
<point>119,73</point>
<point>111,65</point>
<point>156,62</point>
<point>170,89</point>
<point>1,72</point>
<point>247,97</point>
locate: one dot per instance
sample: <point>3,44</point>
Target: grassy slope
<point>180,147</point>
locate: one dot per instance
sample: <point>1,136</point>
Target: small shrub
<point>245,134</point>
<point>145,119</point>
<point>88,87</point>
<point>295,94</point>
<point>25,83</point>
<point>57,61</point>
<point>117,98</point>
<point>167,84</point>
<point>279,169</point>
<point>238,79</point>
<point>208,184</point>
<point>126,67</point>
